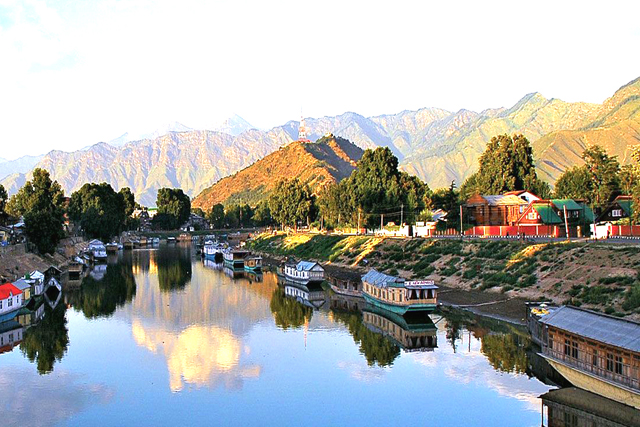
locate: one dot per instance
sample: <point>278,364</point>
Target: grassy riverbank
<point>593,275</point>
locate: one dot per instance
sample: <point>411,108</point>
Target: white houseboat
<point>97,250</point>
<point>304,272</point>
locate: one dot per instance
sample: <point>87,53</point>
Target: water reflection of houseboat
<point>575,407</point>
<point>312,295</point>
<point>212,264</point>
<point>594,351</point>
<point>234,273</point>
<point>98,271</point>
<point>399,295</point>
<point>339,302</point>
<point>413,333</point>
<point>253,276</point>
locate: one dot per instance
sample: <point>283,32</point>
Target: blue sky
<point>76,73</point>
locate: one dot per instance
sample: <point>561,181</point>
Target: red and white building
<point>10,298</point>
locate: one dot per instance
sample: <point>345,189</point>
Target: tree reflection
<point>101,298</point>
<point>47,342</point>
<point>506,352</point>
<point>375,347</point>
<point>287,312</point>
<point>174,270</point>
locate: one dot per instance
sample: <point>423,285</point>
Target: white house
<point>10,298</point>
<point>11,333</point>
<point>37,279</point>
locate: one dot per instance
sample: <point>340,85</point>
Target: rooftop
<point>598,327</point>
<point>305,265</point>
<point>380,280</point>
<point>7,290</point>
<point>504,200</point>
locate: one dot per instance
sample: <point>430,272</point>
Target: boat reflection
<point>576,407</point>
<point>234,273</point>
<point>411,333</point>
<point>311,294</point>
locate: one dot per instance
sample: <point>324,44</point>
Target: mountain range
<point>316,164</point>
<point>437,145</point>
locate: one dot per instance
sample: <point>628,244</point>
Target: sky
<point>74,73</point>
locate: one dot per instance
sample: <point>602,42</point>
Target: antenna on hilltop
<point>302,130</point>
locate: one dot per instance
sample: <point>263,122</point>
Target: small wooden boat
<point>253,263</point>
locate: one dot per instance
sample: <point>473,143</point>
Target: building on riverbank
<point>10,298</point>
<point>594,351</point>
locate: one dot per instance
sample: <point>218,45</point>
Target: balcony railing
<point>585,366</point>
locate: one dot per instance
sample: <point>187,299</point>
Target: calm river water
<point>159,337</point>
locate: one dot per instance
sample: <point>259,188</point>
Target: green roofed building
<point>621,208</point>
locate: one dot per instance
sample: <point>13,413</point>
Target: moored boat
<point>171,239</point>
<point>253,263</point>
<point>399,295</point>
<point>304,272</point>
<point>234,257</point>
<point>98,251</point>
<point>111,247</point>
<point>594,351</point>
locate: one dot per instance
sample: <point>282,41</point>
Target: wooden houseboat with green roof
<point>398,295</point>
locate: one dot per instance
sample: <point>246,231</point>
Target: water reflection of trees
<point>287,312</point>
<point>174,269</point>
<point>375,347</point>
<point>101,298</point>
<point>504,345</point>
<point>47,342</point>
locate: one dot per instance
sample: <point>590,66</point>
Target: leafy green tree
<point>216,216</point>
<point>635,214</point>
<point>130,205</point>
<point>290,202</point>
<point>199,212</point>
<point>575,183</point>
<point>174,203</point>
<point>40,203</point>
<point>506,165</point>
<point>99,209</point>
<point>47,342</point>
<point>231,218</point>
<point>3,204</point>
<point>603,170</point>
<point>262,214</point>
<point>629,178</point>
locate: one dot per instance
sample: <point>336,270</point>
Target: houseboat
<point>143,241</point>
<point>416,333</point>
<point>112,248</point>
<point>76,267</point>
<point>594,351</point>
<point>213,250</point>
<point>345,283</point>
<point>171,239</point>
<point>234,257</point>
<point>253,263</point>
<point>184,237</point>
<point>97,251</point>
<point>399,295</point>
<point>129,244</point>
<point>304,272</point>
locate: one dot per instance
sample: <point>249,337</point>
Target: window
<point>594,358</point>
<point>616,213</point>
<point>1,304</point>
<point>567,348</point>
<point>10,337</point>
<point>574,349</point>
<point>9,302</point>
<point>618,365</point>
<point>610,362</point>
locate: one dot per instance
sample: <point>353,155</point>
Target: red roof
<point>7,290</point>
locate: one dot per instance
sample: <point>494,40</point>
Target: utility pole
<point>461,233</point>
<point>381,222</point>
<point>358,221</point>
<point>401,214</point>
<point>566,222</point>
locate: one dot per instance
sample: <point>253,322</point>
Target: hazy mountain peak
<point>233,125</point>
